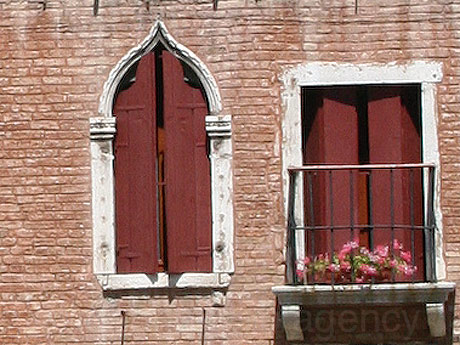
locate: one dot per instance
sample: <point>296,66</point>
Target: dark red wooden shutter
<point>394,137</point>
<point>187,173</point>
<point>337,130</point>
<point>135,195</point>
<point>331,137</point>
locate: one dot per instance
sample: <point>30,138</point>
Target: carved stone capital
<point>218,126</point>
<point>102,128</point>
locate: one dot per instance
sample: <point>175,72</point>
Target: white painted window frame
<point>102,133</point>
<point>427,74</point>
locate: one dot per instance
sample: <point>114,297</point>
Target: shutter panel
<point>187,173</point>
<point>331,137</point>
<point>135,195</point>
<point>394,137</point>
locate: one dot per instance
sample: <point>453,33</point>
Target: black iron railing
<point>361,224</point>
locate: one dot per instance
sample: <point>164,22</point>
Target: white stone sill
<point>398,293</point>
<point>139,281</point>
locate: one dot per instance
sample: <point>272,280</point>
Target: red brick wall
<point>52,67</point>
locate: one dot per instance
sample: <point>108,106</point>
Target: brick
<point>53,64</point>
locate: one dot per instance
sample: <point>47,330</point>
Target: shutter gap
<point>160,157</point>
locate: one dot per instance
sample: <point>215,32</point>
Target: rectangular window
<point>357,125</point>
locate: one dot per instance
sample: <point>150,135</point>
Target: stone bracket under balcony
<point>435,299</point>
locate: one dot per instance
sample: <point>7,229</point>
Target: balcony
<point>360,239</point>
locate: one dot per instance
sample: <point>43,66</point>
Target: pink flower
<point>345,266</point>
<point>299,274</point>
<point>406,256</point>
<point>364,251</point>
<point>409,270</point>
<point>397,245</point>
<point>393,263</point>
<point>333,268</point>
<point>354,244</point>
<point>368,270</point>
<point>371,271</point>
<point>373,258</point>
<point>346,249</point>
<point>381,251</point>
<point>382,262</point>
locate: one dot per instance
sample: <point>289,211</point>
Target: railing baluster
<point>291,241</point>
<point>371,211</point>
<point>412,223</point>
<point>312,220</point>
<point>392,216</point>
<point>331,206</point>
<point>352,219</point>
<point>430,257</point>
<point>352,211</point>
<point>432,225</point>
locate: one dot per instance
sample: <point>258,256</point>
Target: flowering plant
<point>359,265</point>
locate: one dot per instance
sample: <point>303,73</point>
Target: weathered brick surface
<point>52,67</point>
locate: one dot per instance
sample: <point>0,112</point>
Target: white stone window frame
<point>102,133</point>
<point>425,73</point>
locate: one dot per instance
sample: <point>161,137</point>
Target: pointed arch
<point>159,34</point>
<point>218,131</point>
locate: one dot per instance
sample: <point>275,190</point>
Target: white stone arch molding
<point>102,133</point>
<point>426,73</point>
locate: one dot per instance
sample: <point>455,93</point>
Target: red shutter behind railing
<point>335,128</point>
<point>394,137</point>
<point>331,138</point>
<point>187,172</point>
<point>135,195</point>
